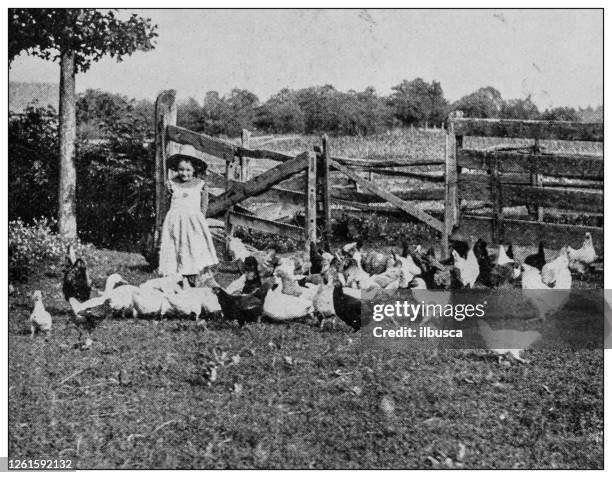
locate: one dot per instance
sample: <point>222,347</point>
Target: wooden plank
<point>387,196</point>
<point>263,154</point>
<point>567,165</point>
<point>531,233</point>
<point>310,206</point>
<point>503,128</point>
<point>282,195</point>
<point>478,187</point>
<point>325,191</point>
<point>201,142</point>
<point>432,177</point>
<point>165,115</point>
<point>429,194</point>
<point>386,163</point>
<point>451,200</point>
<point>257,185</point>
<point>265,225</point>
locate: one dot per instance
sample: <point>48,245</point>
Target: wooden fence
<point>325,185</point>
<point>562,183</point>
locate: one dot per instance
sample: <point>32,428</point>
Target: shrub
<point>35,247</point>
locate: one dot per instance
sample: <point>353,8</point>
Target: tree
<point>280,114</point>
<point>561,113</point>
<point>77,38</point>
<point>520,109</point>
<point>418,102</point>
<point>483,103</point>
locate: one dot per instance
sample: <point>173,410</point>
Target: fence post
<point>165,114</point>
<point>245,163</point>
<point>451,208</point>
<point>310,226</point>
<point>497,232</point>
<point>536,180</point>
<point>323,191</point>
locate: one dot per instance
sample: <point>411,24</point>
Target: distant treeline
<point>321,109</point>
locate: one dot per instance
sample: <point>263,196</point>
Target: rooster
<point>76,279</point>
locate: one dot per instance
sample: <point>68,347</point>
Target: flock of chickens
<point>320,284</point>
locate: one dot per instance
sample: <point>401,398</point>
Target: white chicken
<point>504,342</point>
<point>581,259</point>
<point>279,306</point>
<point>292,288</point>
<point>120,297</point>
<point>185,303</point>
<point>151,302</point>
<point>408,270</point>
<point>40,319</point>
<point>552,270</point>
<point>237,250</point>
<point>323,302</point>
<point>544,298</point>
<point>468,268</point>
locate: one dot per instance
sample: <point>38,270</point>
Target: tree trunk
<point>67,135</point>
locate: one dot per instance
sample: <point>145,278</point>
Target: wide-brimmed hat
<point>250,264</point>
<point>199,165</point>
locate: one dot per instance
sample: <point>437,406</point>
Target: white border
<point>309,4</point>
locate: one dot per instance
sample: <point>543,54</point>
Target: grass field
<point>285,396</point>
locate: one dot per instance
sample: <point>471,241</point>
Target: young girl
<point>186,243</point>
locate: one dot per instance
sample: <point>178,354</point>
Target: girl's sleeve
<point>204,201</point>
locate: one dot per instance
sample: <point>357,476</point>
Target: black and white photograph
<point>305,239</point>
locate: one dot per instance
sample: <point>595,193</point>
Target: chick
<point>40,319</point>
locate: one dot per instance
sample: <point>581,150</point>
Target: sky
<point>554,55</point>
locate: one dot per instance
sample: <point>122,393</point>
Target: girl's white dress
<point>186,243</point>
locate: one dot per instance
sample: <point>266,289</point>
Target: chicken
<point>185,302</point>
<point>348,308</point>
<point>538,259</point>
<point>120,295</point>
<point>503,271</point>
<point>507,341</point>
<point>279,306</point>
<point>544,298</point>
<point>371,262</point>
<point>150,302</point>
<point>356,277</point>
<point>551,270</point>
<point>236,249</point>
<point>323,302</point>
<point>242,307</point>
<point>249,281</point>
<point>316,259</point>
<point>461,247</point>
<point>40,319</point>
<point>531,279</point>
<point>484,262</point>
<point>581,259</point>
<point>408,270</point>
<point>467,269</point>
<point>87,315</point>
<point>76,281</point>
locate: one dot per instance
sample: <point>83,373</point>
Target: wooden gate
<point>237,183</point>
<point>545,177</point>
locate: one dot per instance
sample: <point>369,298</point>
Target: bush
<point>35,247</point>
